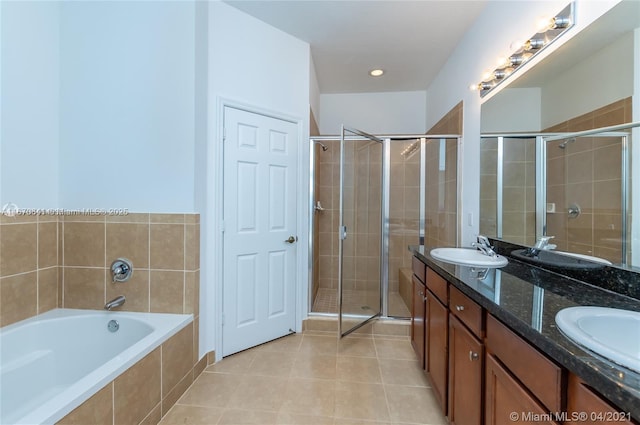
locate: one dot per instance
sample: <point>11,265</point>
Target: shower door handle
<point>342,232</point>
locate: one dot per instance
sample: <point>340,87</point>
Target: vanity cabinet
<point>582,400</point>
<point>505,398</point>
<point>437,331</point>
<point>466,360</point>
<point>418,310</point>
<point>418,319</point>
<point>519,378</point>
<point>465,375</point>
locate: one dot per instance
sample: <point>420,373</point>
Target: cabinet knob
<point>459,307</point>
<point>422,295</point>
<point>473,356</point>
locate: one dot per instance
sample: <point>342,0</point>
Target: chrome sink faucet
<point>484,246</point>
<point>116,302</point>
<point>542,244</point>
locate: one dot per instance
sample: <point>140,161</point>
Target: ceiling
<point>410,40</point>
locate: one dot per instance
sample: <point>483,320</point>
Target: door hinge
<point>223,226</point>
<point>224,134</point>
<point>222,319</point>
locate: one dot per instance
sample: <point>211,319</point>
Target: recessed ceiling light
<point>376,72</point>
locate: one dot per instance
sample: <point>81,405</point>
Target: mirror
<point>563,187</point>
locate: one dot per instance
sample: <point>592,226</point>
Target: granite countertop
<point>527,298</point>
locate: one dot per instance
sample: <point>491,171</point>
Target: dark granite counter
<point>527,299</point>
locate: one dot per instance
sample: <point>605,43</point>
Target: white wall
<point>29,104</point>
<point>573,93</point>
<point>253,64</point>
<point>127,105</point>
<point>375,113</point>
<point>515,110</point>
<point>314,90</point>
<point>498,26</point>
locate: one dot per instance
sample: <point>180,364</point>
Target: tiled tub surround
<point>54,362</point>
<point>514,306</point>
<point>50,261</point>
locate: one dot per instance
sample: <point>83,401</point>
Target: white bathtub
<point>50,364</point>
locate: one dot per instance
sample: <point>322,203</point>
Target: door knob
<point>292,239</point>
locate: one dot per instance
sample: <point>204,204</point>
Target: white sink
<point>468,257</point>
<point>585,257</point>
<point>609,332</point>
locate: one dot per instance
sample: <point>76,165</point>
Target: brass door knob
<point>291,239</point>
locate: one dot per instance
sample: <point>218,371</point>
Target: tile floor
<point>312,378</point>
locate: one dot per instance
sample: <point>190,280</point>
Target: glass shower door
<point>360,229</point>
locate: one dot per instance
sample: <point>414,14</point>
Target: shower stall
<point>371,198</point>
<point>573,186</point>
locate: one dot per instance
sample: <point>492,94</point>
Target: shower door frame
<point>384,251</point>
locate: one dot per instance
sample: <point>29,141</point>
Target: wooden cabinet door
<point>507,401</point>
<point>465,375</point>
<point>437,331</point>
<point>418,319</point>
<point>587,407</point>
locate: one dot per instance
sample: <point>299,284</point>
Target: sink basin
<point>611,333</point>
<point>468,257</point>
<point>560,260</point>
<point>585,257</point>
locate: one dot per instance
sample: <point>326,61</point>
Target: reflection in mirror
<point>583,179</point>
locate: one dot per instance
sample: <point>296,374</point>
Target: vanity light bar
<point>556,26</point>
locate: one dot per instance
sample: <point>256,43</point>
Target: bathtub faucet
<point>116,302</point>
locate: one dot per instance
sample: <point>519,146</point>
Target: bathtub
<point>52,363</point>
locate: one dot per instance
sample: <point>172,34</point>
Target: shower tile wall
<point>404,220</point>
<point>519,191</point>
<point>587,172</point>
<point>488,186</point>
<point>328,193</point>
<point>362,217</point>
<point>441,182</point>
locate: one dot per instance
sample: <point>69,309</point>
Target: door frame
<point>214,213</point>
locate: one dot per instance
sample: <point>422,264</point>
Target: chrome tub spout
<point>116,302</point>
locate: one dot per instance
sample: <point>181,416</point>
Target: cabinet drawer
<point>418,268</point>
<point>437,285</point>
<point>467,310</point>
<point>539,374</point>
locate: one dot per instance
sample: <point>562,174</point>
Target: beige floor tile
<point>192,415</point>
<point>269,363</point>
<point>403,372</point>
<point>342,421</point>
<point>211,390</point>
<point>286,343</point>
<point>413,404</point>
<point>361,401</point>
<point>321,345</point>
<point>287,418</point>
<point>394,349</point>
<point>311,366</point>
<point>237,363</point>
<point>310,396</point>
<point>354,346</point>
<point>258,393</point>
<point>358,369</point>
<point>239,416</point>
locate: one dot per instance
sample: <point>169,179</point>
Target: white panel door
<point>260,198</point>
